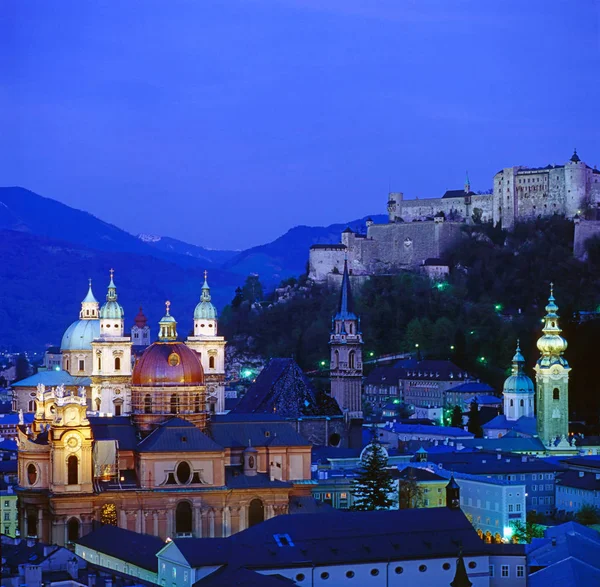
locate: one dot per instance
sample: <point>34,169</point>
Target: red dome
<point>168,364</point>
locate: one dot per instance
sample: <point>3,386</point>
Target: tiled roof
<point>332,246</point>
<point>135,548</point>
<point>478,463</point>
<point>120,429</point>
<point>304,504</point>
<point>419,474</point>
<point>241,434</point>
<point>471,387</point>
<point>228,576</point>
<point>523,425</point>
<point>457,194</point>
<point>383,376</point>
<point>579,480</point>
<point>178,435</point>
<point>52,378</point>
<point>342,538</point>
<point>431,369</point>
<point>569,571</point>
<point>507,443</point>
<point>442,431</point>
<point>18,554</point>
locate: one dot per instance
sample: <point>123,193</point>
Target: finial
<point>551,289</point>
<point>205,274</point>
<point>168,305</point>
<point>518,344</point>
<point>112,273</point>
<point>90,282</point>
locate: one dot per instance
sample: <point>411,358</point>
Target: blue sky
<point>226,123</point>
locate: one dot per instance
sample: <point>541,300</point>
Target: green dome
<point>518,382</point>
<point>205,311</point>
<point>112,311</point>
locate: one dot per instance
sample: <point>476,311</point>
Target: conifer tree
<point>474,424</point>
<point>372,490</point>
<point>457,417</point>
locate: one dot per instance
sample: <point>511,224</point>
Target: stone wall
<point>584,230</point>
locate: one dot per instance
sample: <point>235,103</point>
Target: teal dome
<point>518,384</point>
<point>205,311</point>
<point>112,310</point>
<point>79,336</point>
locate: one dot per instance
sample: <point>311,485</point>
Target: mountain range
<point>48,251</point>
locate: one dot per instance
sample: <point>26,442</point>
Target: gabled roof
<point>419,474</point>
<point>282,388</point>
<point>135,548</point>
<point>383,376</point>
<point>579,480</point>
<point>565,572</point>
<point>507,443</point>
<point>478,463</point>
<point>205,551</point>
<point>523,425</point>
<point>471,387</point>
<point>457,194</point>
<point>178,435</point>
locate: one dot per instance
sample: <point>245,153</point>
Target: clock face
<point>73,442</point>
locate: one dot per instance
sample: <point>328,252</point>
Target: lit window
<point>505,571</point>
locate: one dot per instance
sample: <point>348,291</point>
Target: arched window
<point>72,529</point>
<point>211,362</point>
<point>351,360</point>
<point>350,327</point>
<point>117,363</point>
<point>118,407</point>
<point>66,364</point>
<point>31,474</point>
<point>183,518</point>
<point>32,523</point>
<point>72,470</point>
<point>147,404</point>
<point>556,393</point>
<point>31,406</point>
<point>99,363</point>
<point>174,404</point>
<point>256,512</point>
<point>197,403</point>
<point>512,403</point>
<point>521,403</point>
<point>98,403</point>
<point>336,359</point>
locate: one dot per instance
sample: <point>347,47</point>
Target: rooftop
<point>52,378</point>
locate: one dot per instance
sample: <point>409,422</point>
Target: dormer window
<point>283,540</point>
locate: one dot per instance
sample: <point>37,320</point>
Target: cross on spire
<point>205,274</point>
<point>112,273</point>
<point>168,305</point>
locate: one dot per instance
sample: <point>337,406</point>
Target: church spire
<point>467,184</point>
<point>552,343</point>
<point>111,295</point>
<point>205,295</point>
<point>346,304</point>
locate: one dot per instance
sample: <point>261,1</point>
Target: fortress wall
<point>410,243</point>
<point>322,261</point>
<point>584,230</point>
<point>486,203</point>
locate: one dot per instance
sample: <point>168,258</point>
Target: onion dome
<point>167,331</point>
<point>140,320</point>
<point>551,344</point>
<point>518,382</point>
<point>205,310</point>
<point>112,310</point>
<point>575,158</point>
<point>168,364</point>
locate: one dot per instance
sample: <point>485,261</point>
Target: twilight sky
<point>224,123</point>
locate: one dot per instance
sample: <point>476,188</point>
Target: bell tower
<point>345,342</point>
<point>552,380</point>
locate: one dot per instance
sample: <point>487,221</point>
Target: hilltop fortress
<point>420,230</point>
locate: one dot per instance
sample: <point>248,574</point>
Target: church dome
<point>79,336</point>
<point>518,382</point>
<point>551,343</point>
<point>140,320</point>
<point>112,310</point>
<point>205,310</point>
<point>168,364</point>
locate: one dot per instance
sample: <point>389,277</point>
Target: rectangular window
<point>534,488</point>
<point>534,477</point>
<point>534,501</point>
<point>6,530</point>
<point>343,496</point>
<point>6,504</point>
<point>520,570</point>
<point>510,507</point>
<point>6,517</point>
<point>518,507</point>
<point>505,571</point>
<point>81,365</point>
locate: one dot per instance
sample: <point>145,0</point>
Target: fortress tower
<point>346,343</point>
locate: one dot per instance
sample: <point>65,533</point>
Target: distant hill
<point>43,280</point>
<point>48,250</point>
<point>288,255</point>
<point>172,245</point>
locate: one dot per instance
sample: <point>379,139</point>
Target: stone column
<point>122,519</point>
<point>211,523</point>
<point>198,521</point>
<point>155,522</point>
<point>138,520</point>
<point>226,529</point>
<point>243,517</point>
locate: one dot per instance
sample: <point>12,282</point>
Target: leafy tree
<point>238,299</point>
<point>474,423</point>
<point>373,488</point>
<point>525,532</point>
<point>411,493</point>
<point>588,515</point>
<point>457,417</point>
<point>477,214</point>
